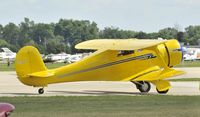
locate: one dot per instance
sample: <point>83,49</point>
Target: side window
<point>125,52</point>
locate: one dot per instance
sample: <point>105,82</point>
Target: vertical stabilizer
<point>28,60</point>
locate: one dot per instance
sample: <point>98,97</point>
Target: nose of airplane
<point>175,52</point>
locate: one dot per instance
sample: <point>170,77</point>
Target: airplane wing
<point>118,44</point>
<point>153,74</point>
<point>156,76</point>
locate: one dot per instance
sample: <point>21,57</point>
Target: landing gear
<point>143,86</point>
<point>41,90</point>
<point>162,92</point>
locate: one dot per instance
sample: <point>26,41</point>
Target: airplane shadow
<point>100,92</point>
<point>84,92</point>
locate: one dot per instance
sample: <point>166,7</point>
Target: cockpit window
<point>125,52</point>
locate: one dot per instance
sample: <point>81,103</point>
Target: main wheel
<point>162,92</point>
<point>144,86</point>
<point>41,90</point>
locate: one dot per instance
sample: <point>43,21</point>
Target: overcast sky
<point>138,15</point>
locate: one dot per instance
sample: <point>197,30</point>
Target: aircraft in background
<point>6,54</point>
<point>139,61</point>
<point>56,57</point>
<point>74,58</point>
<point>64,58</point>
<point>191,54</point>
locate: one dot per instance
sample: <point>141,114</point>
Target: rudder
<point>28,60</point>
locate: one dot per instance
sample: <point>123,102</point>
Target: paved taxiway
<point>10,86</point>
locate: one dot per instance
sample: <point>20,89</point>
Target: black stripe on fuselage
<point>142,57</point>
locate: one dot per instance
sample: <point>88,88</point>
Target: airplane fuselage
<point>110,65</point>
<point>139,61</point>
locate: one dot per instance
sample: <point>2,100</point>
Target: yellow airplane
<point>141,62</point>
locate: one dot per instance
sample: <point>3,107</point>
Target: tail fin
<point>28,60</point>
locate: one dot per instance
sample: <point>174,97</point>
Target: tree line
<point>66,33</point>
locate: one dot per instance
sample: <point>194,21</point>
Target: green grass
<point>4,67</point>
<point>184,79</point>
<point>54,65</point>
<point>189,64</point>
<point>106,106</point>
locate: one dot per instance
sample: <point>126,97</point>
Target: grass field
<point>4,67</point>
<point>106,106</point>
<point>189,64</point>
<point>184,79</point>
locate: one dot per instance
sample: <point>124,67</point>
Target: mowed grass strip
<point>189,64</point>
<point>106,106</point>
<point>185,80</point>
<point>5,67</point>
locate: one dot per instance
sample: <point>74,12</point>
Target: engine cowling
<point>175,53</point>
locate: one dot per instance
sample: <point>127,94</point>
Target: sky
<point>137,15</point>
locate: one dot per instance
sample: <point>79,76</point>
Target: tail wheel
<point>144,86</point>
<point>41,90</point>
<point>162,92</point>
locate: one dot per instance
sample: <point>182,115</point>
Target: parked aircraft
<point>191,54</point>
<point>56,57</point>
<point>139,61</point>
<point>74,58</point>
<point>6,54</point>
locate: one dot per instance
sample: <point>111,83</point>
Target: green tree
<point>153,35</point>
<point>73,30</point>
<point>116,33</point>
<point>41,33</point>
<point>180,37</point>
<point>11,34</point>
<point>110,33</point>
<point>1,31</point>
<point>56,45</point>
<point>141,35</point>
<point>25,31</point>
<point>3,43</point>
<point>168,33</point>
<point>192,34</point>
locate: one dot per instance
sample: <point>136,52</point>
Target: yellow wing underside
<point>154,74</point>
<point>118,44</point>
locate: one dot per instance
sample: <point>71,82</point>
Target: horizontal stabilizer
<point>42,74</point>
<point>118,44</point>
